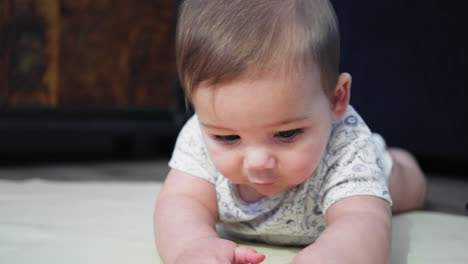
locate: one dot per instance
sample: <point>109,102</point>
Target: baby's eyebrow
<point>289,121</point>
<point>214,126</point>
<point>275,124</point>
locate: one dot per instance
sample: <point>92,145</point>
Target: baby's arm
<point>358,230</point>
<point>184,224</point>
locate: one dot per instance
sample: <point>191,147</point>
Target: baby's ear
<point>341,96</point>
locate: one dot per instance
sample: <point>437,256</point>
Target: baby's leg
<point>407,182</point>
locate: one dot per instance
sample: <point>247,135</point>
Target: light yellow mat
<point>95,222</point>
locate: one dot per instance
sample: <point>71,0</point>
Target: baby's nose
<point>259,159</point>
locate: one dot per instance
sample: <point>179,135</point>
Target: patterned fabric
<point>355,163</point>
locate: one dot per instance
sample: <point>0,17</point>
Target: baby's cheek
<point>221,158</point>
<point>303,164</point>
<point>227,164</point>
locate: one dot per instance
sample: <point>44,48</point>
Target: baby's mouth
<point>262,179</point>
<point>263,183</point>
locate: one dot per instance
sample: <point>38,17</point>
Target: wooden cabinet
<point>74,72</point>
<point>87,52</point>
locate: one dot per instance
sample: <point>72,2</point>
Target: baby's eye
<point>288,135</point>
<point>229,139</point>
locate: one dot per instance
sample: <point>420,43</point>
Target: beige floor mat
<point>96,222</point>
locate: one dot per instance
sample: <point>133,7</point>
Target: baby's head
<point>263,78</point>
<point>221,40</point>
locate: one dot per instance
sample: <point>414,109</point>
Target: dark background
<point>409,62</point>
<point>408,59</point>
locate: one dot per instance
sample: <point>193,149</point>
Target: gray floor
<point>445,193</point>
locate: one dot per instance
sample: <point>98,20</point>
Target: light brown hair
<point>219,40</point>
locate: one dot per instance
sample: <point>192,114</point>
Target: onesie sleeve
<point>190,154</point>
<point>356,163</point>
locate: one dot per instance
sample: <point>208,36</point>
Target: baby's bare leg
<point>407,182</point>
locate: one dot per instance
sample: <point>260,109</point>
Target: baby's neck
<point>248,194</point>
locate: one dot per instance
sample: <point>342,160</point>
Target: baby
<point>274,152</point>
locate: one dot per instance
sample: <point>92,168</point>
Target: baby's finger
<point>244,255</point>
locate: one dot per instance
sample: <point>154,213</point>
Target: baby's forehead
<point>293,77</point>
<point>260,86</point>
<point>258,104</point>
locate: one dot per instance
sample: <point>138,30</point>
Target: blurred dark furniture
<point>409,62</point>
<point>78,75</point>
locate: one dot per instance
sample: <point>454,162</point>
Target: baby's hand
<point>247,255</point>
<point>218,251</point>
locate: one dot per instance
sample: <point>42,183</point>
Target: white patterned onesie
<point>355,163</point>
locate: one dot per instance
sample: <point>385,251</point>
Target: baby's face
<point>267,133</point>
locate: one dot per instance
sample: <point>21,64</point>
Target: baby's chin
<point>251,192</point>
<point>271,189</point>
<point>254,192</point>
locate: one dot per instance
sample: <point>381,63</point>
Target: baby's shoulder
<point>190,154</point>
<point>347,131</point>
